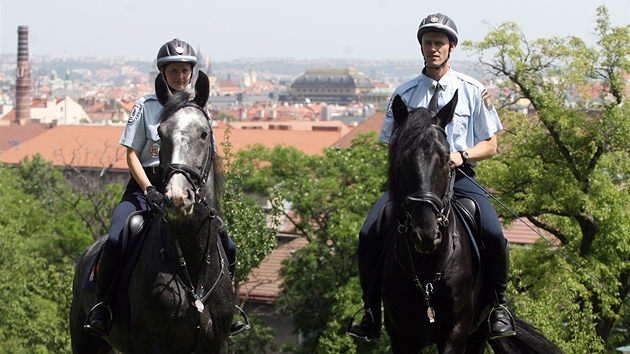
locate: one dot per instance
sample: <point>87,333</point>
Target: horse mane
<point>409,139</point>
<point>178,101</point>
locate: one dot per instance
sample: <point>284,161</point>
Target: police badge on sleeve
<point>486,100</point>
<point>135,114</point>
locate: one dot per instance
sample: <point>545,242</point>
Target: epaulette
<point>406,86</point>
<point>470,80</point>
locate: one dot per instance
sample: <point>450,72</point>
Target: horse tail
<point>528,339</point>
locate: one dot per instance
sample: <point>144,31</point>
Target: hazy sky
<point>300,29</point>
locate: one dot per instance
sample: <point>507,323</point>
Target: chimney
<point>23,82</point>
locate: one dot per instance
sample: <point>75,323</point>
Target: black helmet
<point>438,23</point>
<point>176,51</point>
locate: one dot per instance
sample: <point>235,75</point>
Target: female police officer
<point>175,61</point>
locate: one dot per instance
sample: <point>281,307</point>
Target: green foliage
<point>35,266</point>
<point>329,197</point>
<point>566,170</point>
<point>251,229</point>
<point>254,233</point>
<point>259,339</point>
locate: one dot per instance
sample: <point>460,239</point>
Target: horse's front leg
<point>457,337</point>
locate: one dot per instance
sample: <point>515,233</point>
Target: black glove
<point>153,197</point>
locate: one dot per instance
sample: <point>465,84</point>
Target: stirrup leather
<point>351,324</point>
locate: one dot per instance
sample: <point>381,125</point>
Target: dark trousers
<point>493,239</point>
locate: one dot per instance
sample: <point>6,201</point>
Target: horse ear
<point>161,89</point>
<point>202,89</point>
<point>399,110</point>
<point>445,115</point>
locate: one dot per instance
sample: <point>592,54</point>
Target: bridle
<point>196,179</point>
<point>441,206</point>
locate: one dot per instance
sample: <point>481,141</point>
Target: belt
<point>152,170</point>
<point>153,173</point>
<point>467,169</point>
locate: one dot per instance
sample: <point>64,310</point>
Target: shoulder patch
<point>136,111</point>
<point>486,99</point>
<point>389,112</point>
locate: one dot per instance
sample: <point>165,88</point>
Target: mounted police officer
<point>472,139</point>
<point>176,60</point>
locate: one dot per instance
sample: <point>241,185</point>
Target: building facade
<point>331,86</point>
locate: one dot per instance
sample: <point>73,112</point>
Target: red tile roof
<point>14,133</point>
<point>264,281</point>
<point>73,145</point>
<point>97,146</point>
<point>372,124</point>
<point>524,234</point>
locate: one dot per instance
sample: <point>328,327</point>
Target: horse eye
<point>204,135</point>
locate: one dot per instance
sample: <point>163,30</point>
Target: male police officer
<point>472,138</point>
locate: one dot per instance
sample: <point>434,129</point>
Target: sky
<point>297,29</point>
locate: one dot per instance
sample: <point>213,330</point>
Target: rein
<point>200,299</point>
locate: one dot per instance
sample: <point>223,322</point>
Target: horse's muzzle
<point>424,243</point>
<point>179,201</point>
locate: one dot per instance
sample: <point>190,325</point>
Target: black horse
<point>433,291</point>
<point>177,297</point>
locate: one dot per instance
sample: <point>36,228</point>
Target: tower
<point>23,81</point>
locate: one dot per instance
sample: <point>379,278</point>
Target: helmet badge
<point>179,50</point>
<point>434,19</point>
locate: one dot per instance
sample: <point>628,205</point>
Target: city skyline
<point>309,29</point>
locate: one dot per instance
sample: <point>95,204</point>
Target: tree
<point>566,168</point>
<point>253,232</point>
<point>328,197</point>
<point>39,238</point>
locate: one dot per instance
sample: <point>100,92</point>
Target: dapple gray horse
<point>178,296</point>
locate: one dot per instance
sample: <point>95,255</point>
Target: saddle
<point>469,213</point>
<point>131,243</point>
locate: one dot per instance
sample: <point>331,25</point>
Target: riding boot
<point>100,316</point>
<point>237,326</point>
<point>501,320</point>
<point>370,279</point>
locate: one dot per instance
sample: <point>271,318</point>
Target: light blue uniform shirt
<point>475,118</point>
<point>141,132</point>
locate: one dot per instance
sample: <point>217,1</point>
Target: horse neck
<point>198,243</point>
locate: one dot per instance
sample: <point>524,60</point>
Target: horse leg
<point>86,343</point>
<point>457,339</point>
<point>404,345</point>
<point>477,341</point>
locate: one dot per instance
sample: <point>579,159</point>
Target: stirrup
<point>511,319</point>
<point>88,321</point>
<point>351,324</point>
<point>245,327</point>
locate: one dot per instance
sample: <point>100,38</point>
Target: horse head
<point>419,173</point>
<point>187,151</point>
